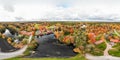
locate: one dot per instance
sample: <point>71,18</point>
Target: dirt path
<point>90,57</point>
<point>108,47</point>
<point>106,55</point>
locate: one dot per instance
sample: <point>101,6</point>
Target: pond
<point>51,47</point>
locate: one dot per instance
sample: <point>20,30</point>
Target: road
<point>7,55</point>
<point>90,57</point>
<point>106,55</point>
<point>108,47</point>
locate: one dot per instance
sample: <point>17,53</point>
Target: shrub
<point>24,41</point>
<point>27,52</point>
<point>101,46</point>
<point>32,45</point>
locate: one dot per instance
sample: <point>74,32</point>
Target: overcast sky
<point>13,10</point>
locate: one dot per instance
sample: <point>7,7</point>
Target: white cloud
<point>61,9</point>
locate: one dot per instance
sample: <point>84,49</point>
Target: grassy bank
<point>78,57</point>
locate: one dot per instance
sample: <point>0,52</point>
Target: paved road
<point>88,56</point>
<point>4,55</point>
<point>5,46</point>
<point>12,54</point>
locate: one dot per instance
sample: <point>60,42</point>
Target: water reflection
<point>45,38</point>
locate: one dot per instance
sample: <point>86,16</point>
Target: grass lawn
<point>78,57</point>
<point>116,50</point>
<point>98,49</point>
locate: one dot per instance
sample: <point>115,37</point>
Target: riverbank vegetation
<point>77,57</point>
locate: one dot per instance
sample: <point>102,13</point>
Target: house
<point>26,33</point>
<point>99,42</point>
<point>115,40</point>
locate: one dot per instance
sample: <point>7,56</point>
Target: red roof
<point>114,40</point>
<point>99,42</point>
<point>26,33</point>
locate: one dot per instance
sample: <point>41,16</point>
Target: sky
<point>82,10</point>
